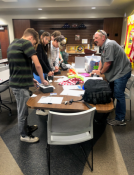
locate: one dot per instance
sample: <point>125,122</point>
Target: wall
<point>6,19</point>
<point>113,27</point>
<point>20,25</point>
<point>91,27</point>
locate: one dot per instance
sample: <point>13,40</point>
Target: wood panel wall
<point>4,40</point>
<point>20,25</point>
<point>113,27</point>
<point>91,27</point>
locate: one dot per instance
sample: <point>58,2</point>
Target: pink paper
<point>85,74</point>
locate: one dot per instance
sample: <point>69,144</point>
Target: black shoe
<point>31,129</point>
<point>116,123</point>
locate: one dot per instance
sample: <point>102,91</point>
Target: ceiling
<point>63,6</point>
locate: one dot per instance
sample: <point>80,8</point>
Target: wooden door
<point>4,40</point>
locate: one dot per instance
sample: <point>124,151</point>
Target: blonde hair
<point>56,33</point>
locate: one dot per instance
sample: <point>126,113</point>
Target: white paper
<point>72,92</point>
<point>33,95</point>
<point>61,79</point>
<point>50,100</point>
<point>59,76</point>
<point>68,65</point>
<point>92,78</point>
<point>67,87</point>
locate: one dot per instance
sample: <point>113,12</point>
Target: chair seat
<point>67,140</point>
<point>3,88</point>
<point>127,96</point>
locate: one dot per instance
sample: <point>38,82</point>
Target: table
<point>74,107</point>
<point>4,75</point>
<point>5,60</point>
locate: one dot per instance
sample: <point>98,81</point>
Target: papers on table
<point>72,92</point>
<point>33,95</point>
<point>68,65</point>
<point>61,79</point>
<point>50,100</point>
<point>67,87</point>
<point>59,76</point>
<point>1,80</point>
<point>92,78</point>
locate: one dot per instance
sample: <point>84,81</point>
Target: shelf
<point>67,28</point>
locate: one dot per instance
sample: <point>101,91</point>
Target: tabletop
<point>3,60</point>
<point>4,76</point>
<point>74,107</point>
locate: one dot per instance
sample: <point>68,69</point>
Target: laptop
<point>80,64</point>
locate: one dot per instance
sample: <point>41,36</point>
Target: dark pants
<point>118,88</point>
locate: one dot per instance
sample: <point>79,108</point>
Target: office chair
<point>4,87</point>
<point>128,94</point>
<point>70,128</point>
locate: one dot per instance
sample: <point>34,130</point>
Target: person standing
<point>54,53</point>
<point>20,55</point>
<point>42,52</point>
<point>116,67</point>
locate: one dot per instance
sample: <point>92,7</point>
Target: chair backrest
<point>130,82</point>
<point>4,68</point>
<point>71,123</point>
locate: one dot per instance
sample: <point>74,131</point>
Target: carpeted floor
<point>113,149</point>
<point>31,158</point>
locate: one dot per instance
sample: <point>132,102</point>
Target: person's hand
<point>45,83</point>
<point>50,73</point>
<point>96,71</point>
<point>35,83</point>
<point>61,60</point>
<point>56,68</point>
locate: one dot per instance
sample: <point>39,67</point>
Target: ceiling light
<point>39,8</point>
<point>93,8</point>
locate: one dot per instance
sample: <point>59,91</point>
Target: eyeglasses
<point>100,31</point>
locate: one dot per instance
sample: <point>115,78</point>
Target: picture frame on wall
<point>77,37</point>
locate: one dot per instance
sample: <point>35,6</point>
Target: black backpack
<point>97,92</point>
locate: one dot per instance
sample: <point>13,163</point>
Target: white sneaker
<point>40,112</point>
<point>30,139</point>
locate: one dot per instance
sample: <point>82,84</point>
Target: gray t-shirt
<point>112,51</point>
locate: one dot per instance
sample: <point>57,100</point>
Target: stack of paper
<point>50,100</point>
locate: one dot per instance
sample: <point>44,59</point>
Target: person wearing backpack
<point>116,67</point>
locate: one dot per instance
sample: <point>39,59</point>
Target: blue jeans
<point>36,77</point>
<point>119,86</point>
<point>22,96</point>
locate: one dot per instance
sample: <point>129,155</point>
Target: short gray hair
<point>102,32</point>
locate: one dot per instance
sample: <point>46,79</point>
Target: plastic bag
<point>92,62</point>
